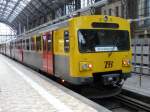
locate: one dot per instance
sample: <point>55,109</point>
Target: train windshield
<point>93,40</point>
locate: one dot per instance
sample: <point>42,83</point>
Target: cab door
<point>48,53</point>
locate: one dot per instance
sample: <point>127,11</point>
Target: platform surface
<point>24,90</point>
<point>138,84</point>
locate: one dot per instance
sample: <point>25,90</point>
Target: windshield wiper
<point>114,46</point>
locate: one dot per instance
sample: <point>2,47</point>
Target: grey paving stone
<point>18,96</point>
<point>134,85</point>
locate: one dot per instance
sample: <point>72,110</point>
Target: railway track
<point>116,102</point>
<point>133,103</point>
<point>126,102</point>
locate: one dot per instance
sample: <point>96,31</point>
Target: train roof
<point>52,25</point>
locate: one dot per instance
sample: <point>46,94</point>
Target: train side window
<point>20,44</point>
<point>15,45</point>
<point>49,42</point>
<point>66,41</point>
<point>38,43</point>
<point>11,47</point>
<point>27,44</point>
<point>44,42</point>
<point>32,44</point>
<point>23,44</point>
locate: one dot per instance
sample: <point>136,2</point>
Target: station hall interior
<point>74,55</point>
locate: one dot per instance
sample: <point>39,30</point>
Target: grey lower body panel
<point>16,56</point>
<point>62,70</point>
<point>33,59</point>
<point>62,66</point>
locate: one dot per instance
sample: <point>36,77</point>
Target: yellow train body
<point>99,62</point>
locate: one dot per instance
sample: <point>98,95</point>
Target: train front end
<point>100,50</point>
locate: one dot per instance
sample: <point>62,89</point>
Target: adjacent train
<point>81,50</point>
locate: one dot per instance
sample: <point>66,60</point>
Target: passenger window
<point>23,44</point>
<point>66,41</point>
<point>20,44</point>
<point>38,43</point>
<point>15,44</point>
<point>10,47</point>
<point>32,44</point>
<point>27,44</point>
<point>44,42</point>
<point>49,42</point>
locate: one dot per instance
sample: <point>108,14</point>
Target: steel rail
<point>133,103</point>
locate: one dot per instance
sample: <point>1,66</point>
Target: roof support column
<point>77,4</point>
<point>19,28</point>
<point>27,22</point>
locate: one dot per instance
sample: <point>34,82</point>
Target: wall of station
<point>113,9</point>
<point>141,56</point>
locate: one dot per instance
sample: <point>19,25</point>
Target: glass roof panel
<point>6,33</point>
<point>9,9</point>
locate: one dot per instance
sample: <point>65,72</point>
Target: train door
<point>47,53</point>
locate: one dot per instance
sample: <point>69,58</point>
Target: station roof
<point>12,11</point>
<point>15,12</point>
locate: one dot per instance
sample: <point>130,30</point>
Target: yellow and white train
<point>82,50</point>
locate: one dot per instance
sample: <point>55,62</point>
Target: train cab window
<point>32,44</point>
<point>66,41</point>
<point>93,40</point>
<point>38,43</point>
<point>49,42</point>
<point>27,44</point>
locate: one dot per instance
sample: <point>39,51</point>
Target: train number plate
<point>108,64</point>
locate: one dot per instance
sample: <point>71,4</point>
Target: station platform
<point>138,84</point>
<point>24,90</point>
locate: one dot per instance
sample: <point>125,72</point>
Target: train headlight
<point>90,66</point>
<point>126,62</point>
<point>85,66</point>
